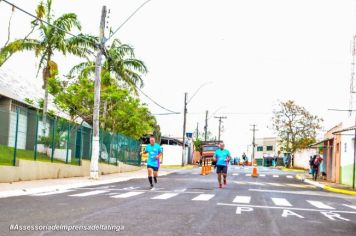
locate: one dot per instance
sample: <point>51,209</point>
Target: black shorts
<point>221,169</point>
<point>152,167</point>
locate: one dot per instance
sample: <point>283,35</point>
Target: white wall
<point>172,155</point>
<point>301,158</point>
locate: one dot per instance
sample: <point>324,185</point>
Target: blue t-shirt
<point>221,156</point>
<point>153,151</point>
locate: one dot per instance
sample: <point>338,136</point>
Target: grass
<point>7,155</point>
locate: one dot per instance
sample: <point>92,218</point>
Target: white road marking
<point>248,175</point>
<point>352,207</point>
<point>203,197</point>
<point>239,182</point>
<point>262,175</point>
<point>91,193</point>
<point>289,176</point>
<point>127,195</point>
<point>256,183</point>
<point>242,199</point>
<point>165,196</point>
<point>320,205</point>
<point>287,208</point>
<point>281,202</point>
<point>275,176</point>
<point>275,184</point>
<point>52,193</point>
<point>180,190</point>
<point>235,174</point>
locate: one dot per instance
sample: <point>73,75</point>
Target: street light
<point>185,115</point>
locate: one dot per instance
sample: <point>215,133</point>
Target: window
<point>259,148</point>
<point>269,148</point>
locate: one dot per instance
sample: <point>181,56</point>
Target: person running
<point>153,161</point>
<point>222,158</point>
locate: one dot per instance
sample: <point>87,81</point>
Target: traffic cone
<point>254,172</point>
<point>203,170</point>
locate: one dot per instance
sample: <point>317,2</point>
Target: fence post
<point>17,129</point>
<point>117,149</point>
<point>36,137</point>
<point>109,152</point>
<point>68,141</point>
<point>81,146</point>
<point>53,138</point>
<point>90,143</point>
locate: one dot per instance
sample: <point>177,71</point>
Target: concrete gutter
<point>325,186</point>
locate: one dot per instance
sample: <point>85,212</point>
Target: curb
<point>325,187</point>
<point>30,191</point>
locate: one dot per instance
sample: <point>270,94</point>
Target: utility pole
<point>220,122</point>
<point>206,126</point>
<point>197,131</point>
<point>94,162</point>
<point>253,142</point>
<point>184,126</point>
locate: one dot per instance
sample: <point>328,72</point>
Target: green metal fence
<point>25,134</point>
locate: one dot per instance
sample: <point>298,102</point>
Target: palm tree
<point>53,38</point>
<point>120,64</point>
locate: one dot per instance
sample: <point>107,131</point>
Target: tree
<point>124,113</point>
<point>53,38</point>
<point>295,126</point>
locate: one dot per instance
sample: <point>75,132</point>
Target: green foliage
<point>295,126</point>
<point>197,144</point>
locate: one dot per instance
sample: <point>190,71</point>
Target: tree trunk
<point>46,74</point>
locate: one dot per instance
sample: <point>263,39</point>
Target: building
<point>266,149</point>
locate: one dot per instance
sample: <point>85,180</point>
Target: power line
<point>172,112</point>
<point>132,14</point>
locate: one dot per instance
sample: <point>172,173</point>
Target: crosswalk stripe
<point>289,177</point>
<point>320,205</point>
<point>127,195</point>
<point>281,202</point>
<point>248,175</point>
<point>165,196</point>
<point>235,174</point>
<point>275,184</point>
<point>275,176</point>
<point>52,193</point>
<point>262,175</point>
<point>91,193</point>
<point>203,197</point>
<point>242,199</point>
<point>352,207</point>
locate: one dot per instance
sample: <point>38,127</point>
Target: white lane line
<point>242,199</point>
<point>127,195</point>
<point>283,208</point>
<point>248,175</point>
<point>165,196</point>
<point>235,174</point>
<point>52,193</point>
<point>91,193</point>
<point>289,176</point>
<point>262,175</point>
<point>203,197</point>
<point>275,176</point>
<point>239,182</point>
<point>352,207</point>
<point>275,184</point>
<point>281,202</point>
<point>320,205</point>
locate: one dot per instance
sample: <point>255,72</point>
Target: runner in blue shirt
<point>222,158</point>
<point>154,154</point>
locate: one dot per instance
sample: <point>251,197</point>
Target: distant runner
<point>153,161</point>
<point>222,158</point>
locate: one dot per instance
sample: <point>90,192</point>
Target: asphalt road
<point>186,203</point>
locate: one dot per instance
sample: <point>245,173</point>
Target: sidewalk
<point>323,184</point>
<point>52,185</point>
